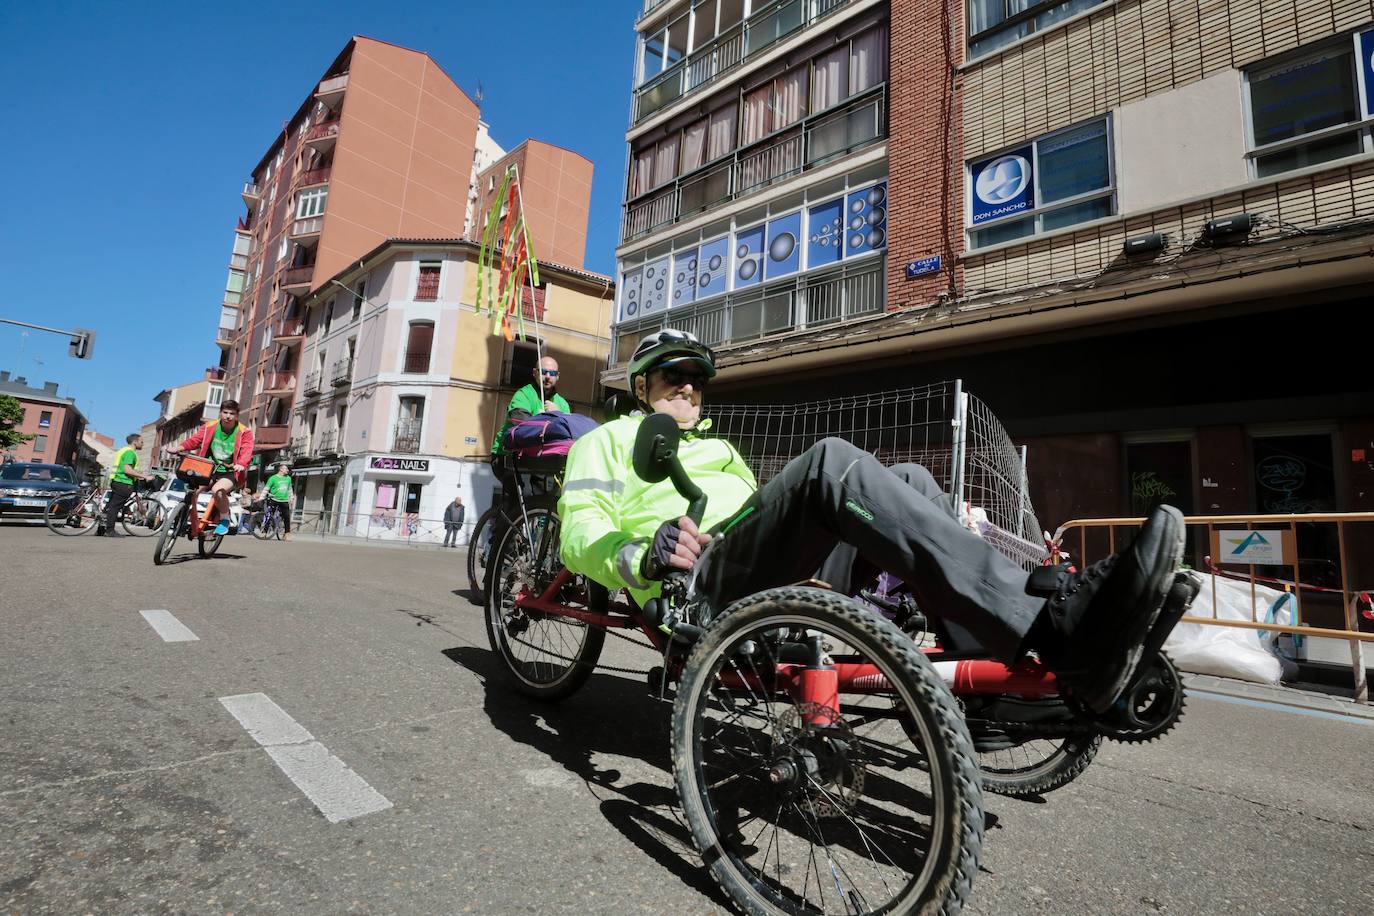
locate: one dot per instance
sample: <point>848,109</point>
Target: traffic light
<point>82,344</point>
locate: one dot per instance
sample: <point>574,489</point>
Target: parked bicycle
<point>77,513</point>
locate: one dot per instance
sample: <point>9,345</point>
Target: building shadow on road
<point>613,716</point>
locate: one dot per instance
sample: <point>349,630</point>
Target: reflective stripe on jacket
<point>609,515</point>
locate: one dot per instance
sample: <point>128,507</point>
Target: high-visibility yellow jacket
<point>609,515</point>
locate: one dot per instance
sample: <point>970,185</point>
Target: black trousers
<point>897,519</point>
<point>119,495</point>
<point>284,510</point>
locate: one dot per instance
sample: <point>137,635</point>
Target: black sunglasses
<point>677,377</point>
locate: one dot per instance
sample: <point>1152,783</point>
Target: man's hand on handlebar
<point>676,546</point>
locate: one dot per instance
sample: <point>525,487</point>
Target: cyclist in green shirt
<point>539,396</point>
<point>278,488</point>
<point>123,473</point>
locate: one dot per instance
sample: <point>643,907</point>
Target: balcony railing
<point>309,226</point>
<point>300,445</point>
<point>279,383</point>
<point>298,276</point>
<point>288,329</point>
<point>224,339</point>
<point>808,301</point>
<point>726,51</point>
<point>407,436</point>
<point>244,224</point>
<point>416,362</point>
<point>214,374</point>
<point>274,435</point>
<point>812,142</point>
<point>311,384</point>
<point>251,193</point>
<point>315,176</point>
<point>328,444</point>
<point>324,132</point>
<point>341,373</point>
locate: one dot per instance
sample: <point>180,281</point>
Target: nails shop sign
<point>378,463</point>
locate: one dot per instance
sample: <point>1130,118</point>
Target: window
<point>521,360</point>
<point>45,419</point>
<point>214,396</point>
<point>311,203</point>
<point>774,105</point>
<point>359,292</point>
<point>40,444</point>
<point>410,419</point>
<point>328,315</point>
<point>993,24</point>
<point>427,286</point>
<point>1298,107</point>
<point>662,49</point>
<point>1061,179</point>
<point>419,342</point>
<point>284,248</point>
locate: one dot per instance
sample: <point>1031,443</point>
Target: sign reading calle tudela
<point>386,463</point>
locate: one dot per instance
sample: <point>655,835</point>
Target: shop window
<point>427,285</point>
<point>1296,474</point>
<point>1298,107</point>
<point>1159,473</point>
<point>419,343</point>
<point>993,24</point>
<point>1058,180</point>
<point>521,360</point>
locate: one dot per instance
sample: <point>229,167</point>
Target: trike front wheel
<point>548,656</point>
<point>870,806</point>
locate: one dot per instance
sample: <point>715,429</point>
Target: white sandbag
<point>1249,655</point>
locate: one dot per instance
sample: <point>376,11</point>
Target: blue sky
<point>132,126</point>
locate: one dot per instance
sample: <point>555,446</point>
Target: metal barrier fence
<point>386,525</point>
<point>1325,560</point>
<point>942,427</point>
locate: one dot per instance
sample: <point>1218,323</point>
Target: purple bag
<point>547,434</point>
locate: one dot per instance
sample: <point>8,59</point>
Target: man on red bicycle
<point>1090,627</point>
<point>229,444</point>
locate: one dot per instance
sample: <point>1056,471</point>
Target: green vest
<point>124,456</point>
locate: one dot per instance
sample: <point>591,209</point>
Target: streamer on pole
<point>506,262</point>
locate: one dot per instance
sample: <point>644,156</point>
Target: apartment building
<point>1139,230</point>
<point>55,423</point>
<point>181,409</point>
<point>384,144</point>
<point>405,385</point>
<point>556,195</point>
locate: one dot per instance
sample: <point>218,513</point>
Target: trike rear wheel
<point>799,809</point>
<point>548,656</point>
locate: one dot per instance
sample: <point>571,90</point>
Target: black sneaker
<point>1100,620</point>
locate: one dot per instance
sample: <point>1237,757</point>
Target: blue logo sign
<point>922,267</point>
<point>1364,51</point>
<point>1002,186</point>
<point>1251,540</point>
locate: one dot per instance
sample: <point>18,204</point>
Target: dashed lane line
<point>168,627</point>
<point>337,791</point>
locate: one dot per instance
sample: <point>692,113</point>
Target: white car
<point>173,493</point>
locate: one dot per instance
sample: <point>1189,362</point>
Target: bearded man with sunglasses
<point>1092,627</point>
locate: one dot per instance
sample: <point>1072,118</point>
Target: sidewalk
<point>393,543</point>
<point>1295,697</point>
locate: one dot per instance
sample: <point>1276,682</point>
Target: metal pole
<point>960,424</point>
<point>1024,486</point>
<point>38,327</point>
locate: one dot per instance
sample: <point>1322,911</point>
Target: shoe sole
<point>1182,591</point>
<point>1100,695</point>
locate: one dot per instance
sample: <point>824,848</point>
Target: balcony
<point>300,446</point>
<point>315,176</point>
<point>407,437</point>
<point>307,231</point>
<point>277,384</point>
<point>341,373</point>
<point>311,386</point>
<point>251,194</point>
<point>416,363</point>
<point>243,224</point>
<point>275,435</point>
<point>813,142</point>
<point>728,50</point>
<point>297,277</point>
<point>331,91</point>
<point>288,330</point>
<point>224,339</point>
<point>328,444</point>
<point>214,374</point>
<point>805,302</point>
<point>321,137</point>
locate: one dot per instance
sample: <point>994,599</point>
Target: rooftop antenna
<point>478,99</point>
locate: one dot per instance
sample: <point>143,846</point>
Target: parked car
<point>26,487</point>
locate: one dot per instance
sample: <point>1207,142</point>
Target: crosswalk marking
<point>168,627</point>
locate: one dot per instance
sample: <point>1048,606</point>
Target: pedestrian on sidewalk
<point>122,477</point>
<point>453,521</point>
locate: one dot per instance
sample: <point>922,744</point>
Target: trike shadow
<point>188,557</point>
<point>571,732</point>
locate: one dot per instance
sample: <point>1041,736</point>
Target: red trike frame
<point>820,687</point>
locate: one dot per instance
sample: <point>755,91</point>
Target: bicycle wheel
<point>133,518</point>
<point>172,527</point>
<point>479,549</point>
<point>207,544</point>
<point>257,523</point>
<point>1037,766</point>
<point>798,809</point>
<point>548,656</point>
<point>73,514</point>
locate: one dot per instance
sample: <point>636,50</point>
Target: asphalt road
<point>126,785</point>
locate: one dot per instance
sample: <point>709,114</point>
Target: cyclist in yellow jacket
<point>123,474</point>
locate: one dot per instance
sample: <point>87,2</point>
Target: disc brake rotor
<point>818,760</point>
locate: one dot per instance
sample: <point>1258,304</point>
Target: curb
<point>1280,696</point>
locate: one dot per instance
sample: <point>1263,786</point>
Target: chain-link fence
<point>952,434</point>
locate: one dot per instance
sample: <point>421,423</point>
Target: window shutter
<point>418,346</point>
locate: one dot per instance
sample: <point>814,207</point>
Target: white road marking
<point>326,780</point>
<point>168,627</point>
